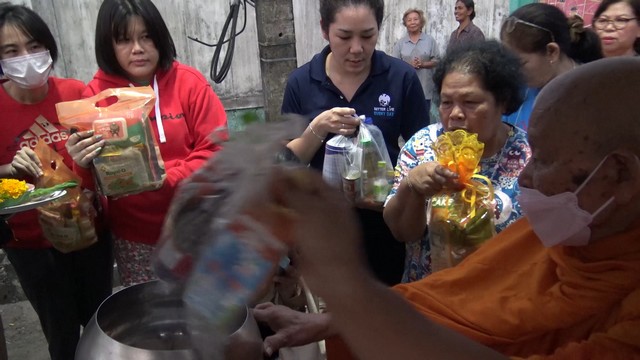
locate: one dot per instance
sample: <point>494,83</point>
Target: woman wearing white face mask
<point>64,289</point>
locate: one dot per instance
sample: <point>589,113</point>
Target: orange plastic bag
<point>460,221</point>
<point>130,162</point>
<point>68,222</point>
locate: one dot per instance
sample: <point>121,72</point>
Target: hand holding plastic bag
<point>69,222</point>
<point>130,161</point>
<point>460,221</point>
<point>362,164</point>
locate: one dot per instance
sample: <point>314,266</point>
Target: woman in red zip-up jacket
<point>134,48</point>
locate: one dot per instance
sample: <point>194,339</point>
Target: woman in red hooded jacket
<point>134,48</point>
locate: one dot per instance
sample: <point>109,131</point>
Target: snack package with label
<point>68,222</point>
<point>460,221</point>
<point>221,239</point>
<point>130,161</point>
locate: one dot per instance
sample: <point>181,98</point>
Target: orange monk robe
<point>527,301</point>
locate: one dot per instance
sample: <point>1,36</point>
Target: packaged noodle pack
<point>130,162</point>
<point>68,222</point>
<point>459,221</point>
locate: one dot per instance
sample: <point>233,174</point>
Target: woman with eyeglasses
<point>617,23</point>
<point>548,44</point>
<point>134,47</point>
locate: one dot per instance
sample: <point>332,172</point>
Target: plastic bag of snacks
<point>459,221</point>
<point>372,181</point>
<point>219,240</point>
<point>130,162</point>
<point>68,222</point>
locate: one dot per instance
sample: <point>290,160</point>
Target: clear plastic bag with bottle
<point>376,169</point>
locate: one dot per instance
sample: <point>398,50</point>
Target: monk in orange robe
<point>548,287</point>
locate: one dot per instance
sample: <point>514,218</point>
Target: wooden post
<point>277,47</point>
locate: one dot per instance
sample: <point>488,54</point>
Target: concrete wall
<point>73,24</point>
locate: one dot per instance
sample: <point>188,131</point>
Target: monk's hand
<point>292,328</point>
<point>323,224</point>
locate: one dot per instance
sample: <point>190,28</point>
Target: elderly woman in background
<point>477,83</point>
<point>467,31</point>
<point>548,44</point>
<point>419,50</point>
<point>617,22</point>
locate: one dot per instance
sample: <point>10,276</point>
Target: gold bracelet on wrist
<point>316,134</point>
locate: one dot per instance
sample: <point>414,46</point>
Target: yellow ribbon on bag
<point>460,220</point>
<point>460,152</point>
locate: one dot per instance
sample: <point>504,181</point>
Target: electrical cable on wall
<point>219,74</point>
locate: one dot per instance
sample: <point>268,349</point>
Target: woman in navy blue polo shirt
<point>350,77</point>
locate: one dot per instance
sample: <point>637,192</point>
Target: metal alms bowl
<point>148,322</point>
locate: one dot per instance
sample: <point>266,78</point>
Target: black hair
<point>580,44</point>
<point>329,9</point>
<point>469,4</point>
<point>497,68</point>
<point>635,5</point>
<point>29,22</point>
<point>113,21</point>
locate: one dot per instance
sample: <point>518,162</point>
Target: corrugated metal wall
<point>73,24</point>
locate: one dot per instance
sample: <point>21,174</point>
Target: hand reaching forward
<point>323,226</point>
<point>292,328</point>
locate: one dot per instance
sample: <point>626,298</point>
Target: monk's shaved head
<point>596,107</point>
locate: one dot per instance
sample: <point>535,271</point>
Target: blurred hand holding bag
<point>460,221</point>
<point>130,162</point>
<point>69,222</point>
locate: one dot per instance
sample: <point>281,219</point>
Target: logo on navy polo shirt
<point>384,109</point>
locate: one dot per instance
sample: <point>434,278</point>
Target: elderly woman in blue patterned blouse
<point>477,83</point>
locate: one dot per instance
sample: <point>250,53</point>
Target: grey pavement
<point>22,331</point>
<point>24,337</point>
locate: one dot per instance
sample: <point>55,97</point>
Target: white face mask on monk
<point>558,219</point>
<point>28,71</point>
